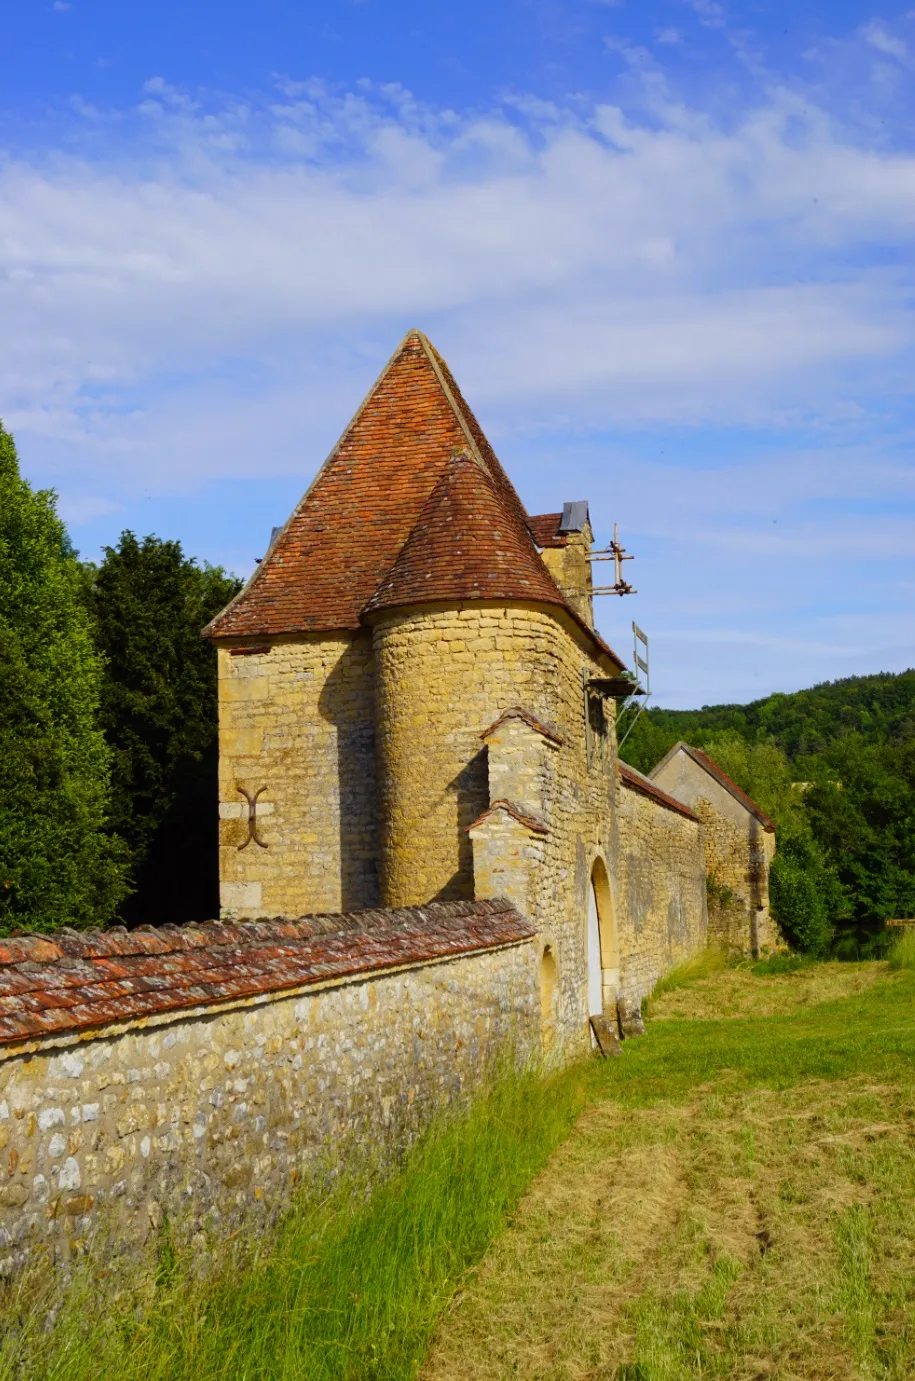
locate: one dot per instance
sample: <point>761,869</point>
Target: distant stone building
<point>739,842</point>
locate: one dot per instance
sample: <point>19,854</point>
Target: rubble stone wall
<point>296,717</point>
<point>737,858</point>
<point>216,1117</point>
<point>661,879</point>
<point>738,852</point>
<point>443,676</point>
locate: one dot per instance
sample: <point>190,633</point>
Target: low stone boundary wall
<point>206,1071</point>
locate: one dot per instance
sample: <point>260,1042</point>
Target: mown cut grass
<point>746,990</point>
<point>736,1203</point>
<point>692,970</point>
<point>349,1288</point>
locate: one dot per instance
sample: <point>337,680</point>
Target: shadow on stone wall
<point>346,702</point>
<point>471,788</point>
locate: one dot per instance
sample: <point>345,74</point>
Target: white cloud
<point>78,509</point>
<point>878,36</point>
<point>621,269</point>
<point>202,295</point>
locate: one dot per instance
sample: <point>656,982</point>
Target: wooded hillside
<point>835,766</point>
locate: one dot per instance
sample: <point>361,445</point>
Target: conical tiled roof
<point>467,544</point>
<point>346,532</point>
<point>368,533</point>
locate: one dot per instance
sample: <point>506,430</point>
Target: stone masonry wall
<point>443,676</point>
<point>737,857</point>
<point>570,567</point>
<point>661,876</point>
<point>738,851</point>
<point>296,717</point>
<point>214,1118</point>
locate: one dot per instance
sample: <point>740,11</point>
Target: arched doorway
<point>595,968</point>
<point>603,947</point>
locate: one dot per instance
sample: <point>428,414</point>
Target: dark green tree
<point>58,865</point>
<point>806,897</point>
<point>806,892</point>
<point>645,739</point>
<point>862,812</point>
<point>149,603</point>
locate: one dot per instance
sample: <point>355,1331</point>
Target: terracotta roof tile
<point>467,544</point>
<point>636,782</point>
<point>720,776</point>
<point>540,725</point>
<point>346,534</point>
<point>65,984</point>
<point>530,822</point>
<point>544,528</point>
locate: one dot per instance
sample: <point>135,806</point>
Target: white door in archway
<point>595,975</point>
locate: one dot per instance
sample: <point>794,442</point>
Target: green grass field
<point>736,1201</point>
<point>731,1198</point>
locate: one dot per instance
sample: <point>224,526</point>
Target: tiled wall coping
<point>72,985</point>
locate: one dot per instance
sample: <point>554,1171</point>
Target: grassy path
<point>738,1201</point>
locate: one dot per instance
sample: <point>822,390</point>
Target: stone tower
<point>414,702</point>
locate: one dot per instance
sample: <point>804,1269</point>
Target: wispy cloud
<point>632,269</point>
<point>879,36</point>
<point>197,291</point>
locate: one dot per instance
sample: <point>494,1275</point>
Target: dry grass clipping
<point>738,992</point>
<point>742,1235</point>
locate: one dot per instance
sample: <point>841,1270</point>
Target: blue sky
<point>667,249</point>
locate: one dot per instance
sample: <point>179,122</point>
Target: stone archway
<point>602,943</point>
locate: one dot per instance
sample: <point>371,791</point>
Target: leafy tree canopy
<point>835,767</point>
<point>149,603</point>
<point>879,709</point>
<point>58,866</point>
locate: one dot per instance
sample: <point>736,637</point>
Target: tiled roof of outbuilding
<point>719,775</point>
<point>65,984</point>
<point>637,782</point>
<point>341,542</point>
<point>467,544</point>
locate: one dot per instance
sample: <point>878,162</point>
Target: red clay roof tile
<point>532,720</point>
<point>63,985</point>
<point>544,528</point>
<point>720,776</point>
<point>637,782</point>
<point>467,544</point>
<point>530,822</point>
<point>346,534</point>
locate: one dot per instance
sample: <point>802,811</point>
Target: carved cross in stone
<point>251,798</point>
